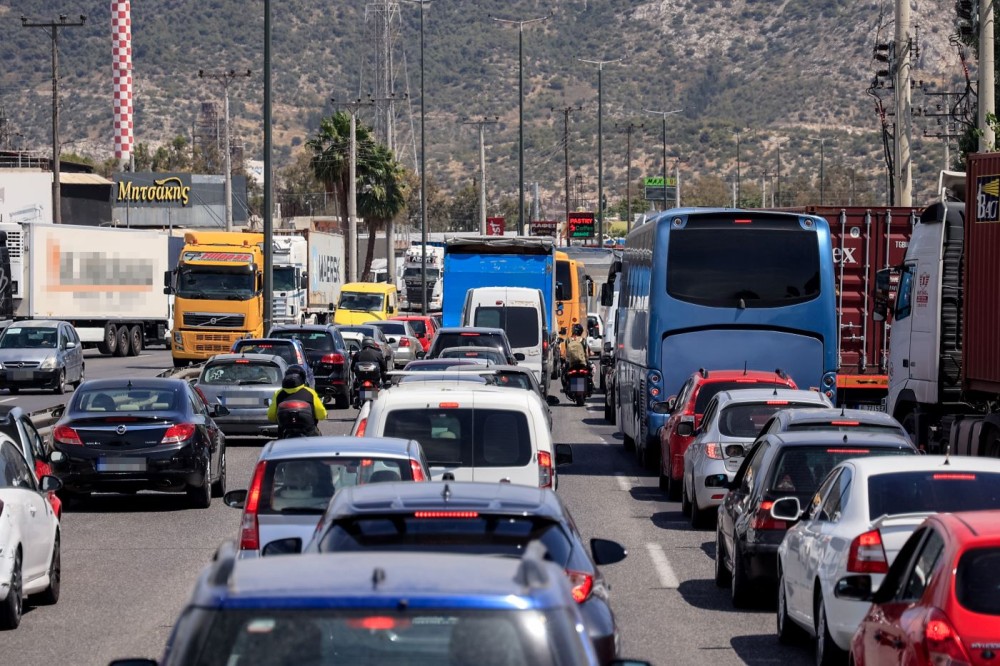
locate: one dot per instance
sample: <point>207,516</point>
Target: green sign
<point>657,181</point>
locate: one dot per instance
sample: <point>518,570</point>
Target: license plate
<point>20,374</point>
<point>121,465</point>
<point>368,395</point>
<point>578,385</point>
<point>733,464</point>
<point>871,408</point>
<point>241,402</point>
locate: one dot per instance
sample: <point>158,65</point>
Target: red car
<point>940,601</point>
<point>423,326</point>
<point>687,408</point>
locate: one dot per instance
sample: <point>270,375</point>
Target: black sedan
<point>125,435</point>
<point>328,357</point>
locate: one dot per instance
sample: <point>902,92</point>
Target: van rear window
<point>456,437</point>
<point>520,323</point>
<point>977,582</point>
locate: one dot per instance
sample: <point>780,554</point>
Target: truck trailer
<point>308,275</point>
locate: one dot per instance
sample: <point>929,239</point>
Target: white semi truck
<point>307,275</point>
<point>414,282</point>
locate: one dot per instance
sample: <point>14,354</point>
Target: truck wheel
<point>180,363</point>
<point>992,448</point>
<point>123,341</point>
<point>110,343</point>
<point>135,341</point>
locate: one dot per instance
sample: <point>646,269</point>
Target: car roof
<point>324,446</point>
<point>303,327</point>
<point>759,395</point>
<point>473,348</point>
<point>838,438</point>
<point>37,323</point>
<point>286,341</point>
<point>134,382</point>
<point>482,330</point>
<point>825,414</point>
<point>405,497</point>
<point>368,287</point>
<point>251,357</point>
<point>459,391</point>
<point>969,526</point>
<point>453,361</point>
<point>734,375</point>
<point>943,464</point>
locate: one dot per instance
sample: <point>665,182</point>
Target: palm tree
<point>381,194</point>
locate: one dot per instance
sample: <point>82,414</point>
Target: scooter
<point>578,384</point>
<point>296,419</point>
<point>366,383</point>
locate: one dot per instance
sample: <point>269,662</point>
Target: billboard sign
<point>580,225</point>
<point>543,228</point>
<point>655,189</point>
<point>495,226</point>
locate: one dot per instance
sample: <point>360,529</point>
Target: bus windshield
<point>724,266</point>
<point>215,284</point>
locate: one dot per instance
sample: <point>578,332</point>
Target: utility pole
<point>352,109</point>
<point>777,188</point>
<point>600,145</point>
<point>987,85</point>
<point>822,172</point>
<point>226,78</point>
<point>520,109</point>
<point>53,26</point>
<point>738,201</point>
<point>481,124</point>
<point>390,227</point>
<point>631,127</point>
<point>677,185</point>
<point>663,116</point>
<point>904,117</point>
<point>566,111</point>
<point>268,314</point>
<point>423,167</point>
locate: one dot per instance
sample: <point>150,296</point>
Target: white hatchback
<point>849,535</point>
<point>474,433</point>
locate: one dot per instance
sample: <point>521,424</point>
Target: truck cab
<point>290,281</point>
<point>362,302</point>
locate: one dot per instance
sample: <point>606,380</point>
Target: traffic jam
<point>799,394</point>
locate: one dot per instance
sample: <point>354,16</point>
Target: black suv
<point>328,357</point>
<point>472,336</point>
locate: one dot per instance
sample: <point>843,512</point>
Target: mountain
<point>774,69</point>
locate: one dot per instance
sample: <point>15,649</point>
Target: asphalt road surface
<point>130,562</point>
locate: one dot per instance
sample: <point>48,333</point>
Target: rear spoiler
<point>890,520</point>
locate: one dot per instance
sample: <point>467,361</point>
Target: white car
<point>473,432</point>
<point>29,536</point>
<point>851,531</point>
<point>595,333</point>
<point>732,421</point>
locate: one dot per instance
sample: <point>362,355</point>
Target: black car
<point>472,336</point>
<point>124,435</point>
<point>492,519</point>
<point>328,356</point>
<point>790,464</point>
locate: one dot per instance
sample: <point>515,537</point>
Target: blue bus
<point>720,289</point>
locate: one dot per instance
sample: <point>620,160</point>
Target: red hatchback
<point>423,326</point>
<point>940,601</point>
<point>688,406</point>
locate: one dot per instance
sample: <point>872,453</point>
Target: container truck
<point>944,364</point>
<point>102,280</point>
<point>307,276</point>
<point>413,281</point>
<point>218,298</point>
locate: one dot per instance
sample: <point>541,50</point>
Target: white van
<point>520,312</point>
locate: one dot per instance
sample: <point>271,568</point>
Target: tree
<point>301,193</point>
<point>708,190</point>
<point>331,154</point>
<point>381,194</point>
<point>463,211</point>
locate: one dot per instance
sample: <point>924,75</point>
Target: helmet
<point>295,376</point>
<point>368,343</point>
<point>577,329</point>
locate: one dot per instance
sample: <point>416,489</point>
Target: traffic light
<point>968,18</point>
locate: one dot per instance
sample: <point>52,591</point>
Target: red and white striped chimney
<point>121,67</point>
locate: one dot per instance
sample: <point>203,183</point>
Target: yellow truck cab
<point>361,302</point>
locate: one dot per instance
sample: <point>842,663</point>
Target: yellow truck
<point>361,302</point>
<point>218,293</point>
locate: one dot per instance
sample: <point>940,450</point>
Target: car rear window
<point>306,485</point>
<point>436,365</point>
<point>311,340</point>
<point>977,581</point>
<point>934,491</point>
<point>124,400</point>
<point>513,379</point>
<point>846,425</point>
<point>465,437</point>
<point>520,323</point>
<point>746,419</point>
<point>285,351</point>
<point>419,326</point>
<point>800,469</point>
<point>446,340</point>
<point>711,389</point>
<point>241,372</point>
<point>491,355</point>
<point>470,532</point>
<point>393,329</point>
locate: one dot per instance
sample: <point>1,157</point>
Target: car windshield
<point>241,372</point>
<point>18,337</point>
<point>711,389</point>
<point>977,580</point>
<point>411,636</point>
<point>311,340</point>
<point>491,355</point>
<point>306,485</point>
<point>799,470</point>
<point>284,350</point>
<point>746,419</point>
<point>360,301</point>
<point>520,323</point>
<point>932,491</point>
<point>283,278</point>
<point>465,437</point>
<point>217,283</point>
<point>124,400</point>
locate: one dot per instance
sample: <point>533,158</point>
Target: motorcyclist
<point>293,387</point>
<point>370,353</point>
<point>576,352</point>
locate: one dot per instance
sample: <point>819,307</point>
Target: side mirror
<point>304,283</point>
<point>50,484</point>
<point>660,408</point>
<point>606,551</point>
<point>855,588</point>
<point>70,345</point>
<point>519,356</point>
<point>607,295</point>
<point>562,331</point>
<point>608,347</point>
<point>393,341</point>
<point>57,457</point>
<point>560,293</point>
<point>218,410</point>
<point>672,402</point>
<point>717,481</point>
<point>551,400</point>
<point>786,508</point>
<point>564,455</point>
<point>390,309</point>
<point>289,546</point>
<point>235,498</point>
<point>168,281</point>
<point>421,354</point>
<point>684,429</point>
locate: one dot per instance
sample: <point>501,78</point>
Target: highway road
<point>129,562</point>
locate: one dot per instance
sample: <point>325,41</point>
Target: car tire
<point>721,572</point>
<point>650,458</point>
<point>700,518</point>
<point>13,390</point>
<point>200,497</point>
<point>628,442</point>
<point>180,363</point>
<point>739,587</point>
<point>219,487</point>
<point>109,345</point>
<point>50,595</point>
<point>788,632</point>
<point>828,653</point>
<point>673,487</point>
<point>83,371</point>
<point>341,402</point>
<point>664,483</point>
<point>121,349</point>
<point>135,340</point>
<point>60,386</point>
<point>685,500</point>
<point>10,609</point>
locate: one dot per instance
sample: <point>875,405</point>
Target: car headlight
<point>48,364</point>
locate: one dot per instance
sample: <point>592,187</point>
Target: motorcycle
<point>579,384</point>
<point>367,376</point>
<point>296,419</point>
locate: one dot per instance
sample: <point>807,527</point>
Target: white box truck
<point>308,274</point>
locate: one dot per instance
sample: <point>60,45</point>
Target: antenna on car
<point>378,575</point>
<point>947,454</point>
<point>744,368</point>
<point>128,386</point>
<point>842,408</point>
<point>446,493</point>
<point>845,438</point>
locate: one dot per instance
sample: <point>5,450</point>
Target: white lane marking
<point>664,571</point>
<point>623,482</point>
<point>8,399</point>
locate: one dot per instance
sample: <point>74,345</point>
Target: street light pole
<point>268,314</point>
<point>631,127</point>
<point>663,115</point>
<point>600,145</point>
<point>520,109</point>
<point>739,193</point>
<point>482,166</point>
<point>226,78</point>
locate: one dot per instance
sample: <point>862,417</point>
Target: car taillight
<point>545,345</point>
<point>361,428</point>
<point>416,471</point>
<point>581,583</point>
<point>942,642</point>
<point>66,435</point>
<point>544,469</point>
<point>249,532</point>
<point>763,520</point>
<point>713,450</point>
<point>178,433</point>
<point>867,556</point>
<point>404,342</point>
<point>333,359</point>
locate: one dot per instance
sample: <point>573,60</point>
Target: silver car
<point>44,354</point>
<point>294,480</point>
<point>406,345</point>
<point>245,384</point>
<point>732,421</point>
<point>374,332</point>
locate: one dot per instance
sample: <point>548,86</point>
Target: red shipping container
<point>981,307</point>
